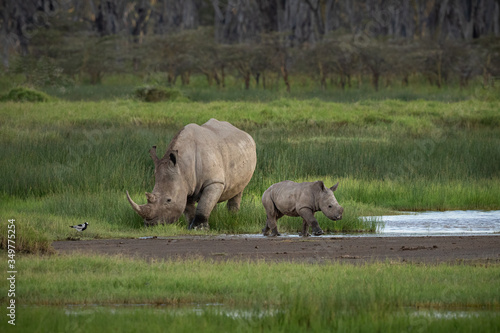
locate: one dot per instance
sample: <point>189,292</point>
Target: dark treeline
<point>331,41</point>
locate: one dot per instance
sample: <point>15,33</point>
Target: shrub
<point>23,94</point>
<point>156,94</point>
<point>28,239</point>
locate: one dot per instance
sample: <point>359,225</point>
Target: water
<point>408,224</point>
<point>447,223</point>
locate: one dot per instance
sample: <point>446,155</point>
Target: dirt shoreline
<point>430,250</point>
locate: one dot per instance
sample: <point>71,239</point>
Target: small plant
<point>23,94</point>
<point>28,239</point>
<point>156,94</point>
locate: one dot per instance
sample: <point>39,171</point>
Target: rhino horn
<point>136,207</point>
<point>151,197</point>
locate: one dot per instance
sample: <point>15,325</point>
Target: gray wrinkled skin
<point>204,164</point>
<point>300,199</point>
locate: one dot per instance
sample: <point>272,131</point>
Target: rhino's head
<point>168,200</point>
<point>328,203</point>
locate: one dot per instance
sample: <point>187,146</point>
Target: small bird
<point>80,227</point>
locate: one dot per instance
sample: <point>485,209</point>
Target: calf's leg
<point>309,220</point>
<point>272,215</point>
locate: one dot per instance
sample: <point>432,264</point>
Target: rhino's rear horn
<point>151,197</point>
<point>135,206</point>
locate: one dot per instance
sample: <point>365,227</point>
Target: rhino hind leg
<point>305,229</point>
<point>233,204</point>
<point>271,224</point>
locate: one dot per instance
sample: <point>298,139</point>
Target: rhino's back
<point>284,196</point>
<point>216,152</point>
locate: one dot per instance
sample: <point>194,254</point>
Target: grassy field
<point>68,162</point>
<point>119,294</point>
<point>71,160</point>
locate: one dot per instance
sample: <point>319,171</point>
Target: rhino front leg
<point>309,220</point>
<point>208,200</point>
<point>190,211</point>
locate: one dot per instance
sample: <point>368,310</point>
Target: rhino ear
<point>321,185</point>
<point>173,156</point>
<point>334,187</point>
<point>154,157</point>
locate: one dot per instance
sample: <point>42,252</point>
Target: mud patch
<point>450,249</point>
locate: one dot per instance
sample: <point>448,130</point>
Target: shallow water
<point>408,224</point>
<point>220,309</point>
<point>447,223</point>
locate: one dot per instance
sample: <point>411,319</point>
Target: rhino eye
<point>330,206</point>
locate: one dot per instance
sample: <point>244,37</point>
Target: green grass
<point>68,162</point>
<point>52,292</point>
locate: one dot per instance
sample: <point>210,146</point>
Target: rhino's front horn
<point>135,206</point>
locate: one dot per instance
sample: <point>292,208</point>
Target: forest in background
<point>332,42</point>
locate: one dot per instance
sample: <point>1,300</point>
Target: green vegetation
<point>22,94</point>
<point>133,294</point>
<point>69,162</point>
<point>156,94</point>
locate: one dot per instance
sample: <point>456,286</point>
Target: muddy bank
<point>450,249</point>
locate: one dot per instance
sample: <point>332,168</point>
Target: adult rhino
<point>206,164</point>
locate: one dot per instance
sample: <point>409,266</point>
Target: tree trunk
<point>375,79</point>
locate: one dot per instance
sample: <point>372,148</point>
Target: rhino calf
<point>300,199</point>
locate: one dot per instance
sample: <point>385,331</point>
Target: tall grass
<point>74,279</point>
<point>73,161</point>
<point>252,296</point>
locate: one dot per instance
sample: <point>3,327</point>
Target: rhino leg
<point>305,229</point>
<point>208,200</point>
<point>309,220</point>
<point>271,223</point>
<point>190,211</point>
<point>233,204</point>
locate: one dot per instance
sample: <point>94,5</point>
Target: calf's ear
<point>334,187</point>
<point>321,185</point>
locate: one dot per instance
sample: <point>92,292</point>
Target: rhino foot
<point>201,226</point>
<point>304,234</point>
<point>275,233</point>
<point>318,232</point>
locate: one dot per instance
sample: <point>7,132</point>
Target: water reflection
<point>457,222</point>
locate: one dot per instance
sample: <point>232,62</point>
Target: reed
<point>73,161</point>
<point>124,294</point>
